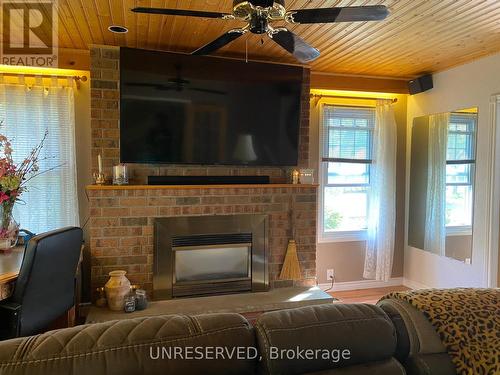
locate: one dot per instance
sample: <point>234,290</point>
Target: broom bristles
<point>291,266</point>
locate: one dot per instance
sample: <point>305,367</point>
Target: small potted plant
<point>13,180</point>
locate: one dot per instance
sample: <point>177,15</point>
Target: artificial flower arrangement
<point>13,180</point>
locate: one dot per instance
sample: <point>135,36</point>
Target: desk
<point>10,264</point>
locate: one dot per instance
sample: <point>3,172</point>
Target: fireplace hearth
<point>206,255</point>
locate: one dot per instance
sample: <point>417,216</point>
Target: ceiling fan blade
<point>180,12</point>
<point>338,14</point>
<point>218,43</point>
<point>296,46</point>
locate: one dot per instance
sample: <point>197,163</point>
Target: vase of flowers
<point>13,180</point>
<point>9,228</point>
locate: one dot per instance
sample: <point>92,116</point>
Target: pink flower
<point>3,197</point>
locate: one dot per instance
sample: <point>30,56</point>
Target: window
<point>460,172</point>
<point>27,112</point>
<point>345,171</point>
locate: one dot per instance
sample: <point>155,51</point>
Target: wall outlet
<point>329,274</point>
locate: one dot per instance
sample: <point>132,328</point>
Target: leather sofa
<point>419,347</point>
<point>336,339</point>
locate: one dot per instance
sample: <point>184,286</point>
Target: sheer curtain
<point>382,197</point>
<point>435,217</point>
<point>27,112</point>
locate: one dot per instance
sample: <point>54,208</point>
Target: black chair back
<point>45,287</point>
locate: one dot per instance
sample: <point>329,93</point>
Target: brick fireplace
<point>122,218</point>
<point>122,222</point>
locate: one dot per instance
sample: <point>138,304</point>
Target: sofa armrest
<point>422,336</point>
<point>403,339</point>
<point>419,346</point>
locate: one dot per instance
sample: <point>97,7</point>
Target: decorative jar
<point>141,301</point>
<point>130,304</point>
<point>120,174</point>
<point>117,288</point>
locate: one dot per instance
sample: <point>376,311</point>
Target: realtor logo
<point>29,33</point>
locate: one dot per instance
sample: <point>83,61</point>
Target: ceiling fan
<point>261,14</point>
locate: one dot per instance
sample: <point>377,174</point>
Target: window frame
<point>463,230</point>
<point>338,236</point>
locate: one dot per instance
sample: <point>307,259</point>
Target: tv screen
<point>183,109</point>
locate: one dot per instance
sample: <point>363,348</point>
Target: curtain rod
<point>34,75</point>
<point>394,100</point>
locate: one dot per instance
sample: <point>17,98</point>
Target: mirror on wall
<point>442,171</point>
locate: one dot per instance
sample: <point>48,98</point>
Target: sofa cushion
<point>328,332</point>
<point>132,346</point>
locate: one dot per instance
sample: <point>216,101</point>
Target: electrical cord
<point>331,286</point>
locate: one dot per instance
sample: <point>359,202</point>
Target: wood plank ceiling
<point>419,36</point>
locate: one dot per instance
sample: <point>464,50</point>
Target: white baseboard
<point>414,284</point>
<point>362,284</point>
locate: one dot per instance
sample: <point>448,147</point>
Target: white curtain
<point>435,217</point>
<point>27,112</point>
<point>382,196</point>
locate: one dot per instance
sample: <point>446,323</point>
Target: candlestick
<point>99,178</point>
<point>99,163</point>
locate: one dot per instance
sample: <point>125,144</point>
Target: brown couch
<point>338,339</point>
<point>419,347</point>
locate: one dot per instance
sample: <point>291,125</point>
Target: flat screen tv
<point>183,109</point>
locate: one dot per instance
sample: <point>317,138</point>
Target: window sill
<point>459,231</point>
<point>351,236</point>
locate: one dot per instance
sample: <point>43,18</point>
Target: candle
<point>99,162</point>
<point>295,177</point>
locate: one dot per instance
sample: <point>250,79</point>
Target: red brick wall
<point>121,225</point>
<point>105,113</point>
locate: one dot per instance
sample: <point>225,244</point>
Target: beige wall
<point>459,247</point>
<point>82,136</point>
<point>347,258</point>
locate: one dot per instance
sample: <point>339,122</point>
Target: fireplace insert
<point>204,255</point>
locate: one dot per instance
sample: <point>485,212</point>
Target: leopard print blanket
<point>468,322</point>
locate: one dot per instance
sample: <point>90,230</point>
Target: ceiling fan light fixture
<point>118,29</point>
<point>260,16</point>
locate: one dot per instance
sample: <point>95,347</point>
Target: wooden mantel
<point>183,187</point>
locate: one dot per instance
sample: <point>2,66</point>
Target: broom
<point>291,267</point>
